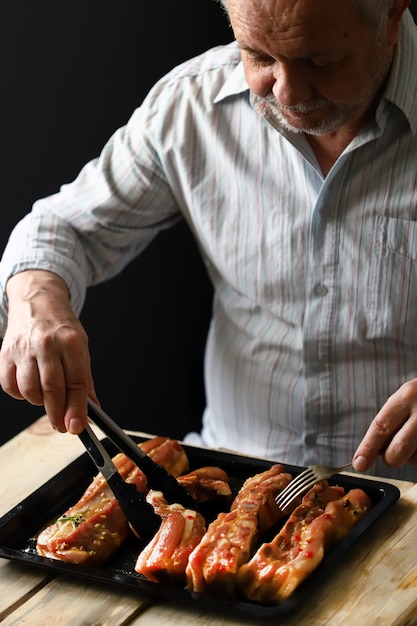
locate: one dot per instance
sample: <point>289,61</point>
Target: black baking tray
<point>20,526</point>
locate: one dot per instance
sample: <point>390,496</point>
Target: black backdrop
<point>72,72</point>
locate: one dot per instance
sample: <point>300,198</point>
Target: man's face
<point>319,63</point>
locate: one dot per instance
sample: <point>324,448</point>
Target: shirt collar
<point>401,89</point>
<point>234,84</point>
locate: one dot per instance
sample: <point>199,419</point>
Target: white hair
<point>371,8</point>
<point>376,11</point>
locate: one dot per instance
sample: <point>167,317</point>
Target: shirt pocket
<point>392,285</point>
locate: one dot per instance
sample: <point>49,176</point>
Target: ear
<point>394,18</point>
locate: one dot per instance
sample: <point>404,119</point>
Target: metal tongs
<point>141,515</point>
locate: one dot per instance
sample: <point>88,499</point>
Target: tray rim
<point>389,495</point>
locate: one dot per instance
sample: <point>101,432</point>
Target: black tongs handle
<point>141,515</point>
<point>157,477</point>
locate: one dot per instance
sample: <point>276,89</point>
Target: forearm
<point>37,289</point>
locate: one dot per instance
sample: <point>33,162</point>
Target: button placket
<point>317,323</point>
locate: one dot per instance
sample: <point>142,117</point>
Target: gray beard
<point>323,127</point>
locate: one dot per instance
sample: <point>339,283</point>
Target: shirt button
<point>310,440</point>
<point>320,290</point>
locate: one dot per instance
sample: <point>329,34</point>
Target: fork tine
<point>298,483</point>
<point>294,494</point>
<point>296,487</point>
<point>305,475</point>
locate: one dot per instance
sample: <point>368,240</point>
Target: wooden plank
<point>66,602</point>
<point>176,614</point>
<point>17,583</point>
<point>33,457</point>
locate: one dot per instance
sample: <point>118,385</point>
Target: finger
<point>9,384</point>
<point>21,382</point>
<point>75,417</point>
<point>28,381</point>
<point>396,412</point>
<point>379,435</point>
<point>8,373</point>
<point>403,445</point>
<point>79,385</point>
<point>54,391</point>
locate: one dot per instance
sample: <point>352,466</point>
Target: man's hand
<point>393,432</point>
<point>44,357</point>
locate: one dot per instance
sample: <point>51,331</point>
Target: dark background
<point>72,72</point>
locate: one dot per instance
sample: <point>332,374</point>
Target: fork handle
<point>344,468</point>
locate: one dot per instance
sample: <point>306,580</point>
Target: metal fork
<point>304,481</point>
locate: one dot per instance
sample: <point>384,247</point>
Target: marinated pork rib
<point>206,483</point>
<point>230,538</point>
<point>325,516</point>
<point>165,558</point>
<point>94,528</point>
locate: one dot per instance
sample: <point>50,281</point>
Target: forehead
<point>294,23</point>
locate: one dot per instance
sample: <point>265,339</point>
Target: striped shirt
<point>315,310</point>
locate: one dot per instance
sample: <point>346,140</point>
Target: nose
<point>290,84</point>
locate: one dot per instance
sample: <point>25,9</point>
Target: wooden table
<point>376,586</point>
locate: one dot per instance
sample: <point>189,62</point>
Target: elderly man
<point>291,153</point>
